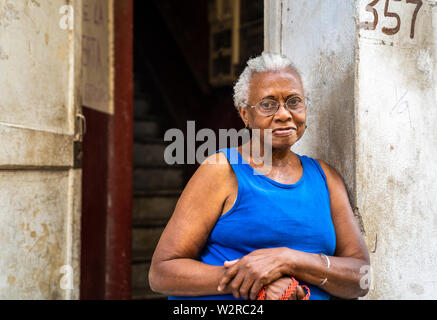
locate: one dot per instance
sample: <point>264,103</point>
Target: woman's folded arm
<point>174,269</point>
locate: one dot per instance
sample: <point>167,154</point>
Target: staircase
<point>157,187</point>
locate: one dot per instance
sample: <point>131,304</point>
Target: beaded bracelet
<point>287,293</point>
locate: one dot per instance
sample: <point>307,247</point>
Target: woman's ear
<point>244,114</point>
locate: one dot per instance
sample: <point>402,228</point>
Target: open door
<point>41,130</point>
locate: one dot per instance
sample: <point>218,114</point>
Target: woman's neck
<point>280,157</point>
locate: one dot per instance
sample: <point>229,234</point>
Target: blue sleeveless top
<point>269,214</point>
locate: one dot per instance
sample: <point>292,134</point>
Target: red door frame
<point>107,178</point>
<point>120,169</point>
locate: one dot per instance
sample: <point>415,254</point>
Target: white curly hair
<point>265,62</point>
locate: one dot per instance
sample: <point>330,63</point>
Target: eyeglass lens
<point>270,106</point>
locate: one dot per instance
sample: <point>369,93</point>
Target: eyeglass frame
<point>305,101</point>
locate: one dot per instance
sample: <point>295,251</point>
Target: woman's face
<point>276,85</point>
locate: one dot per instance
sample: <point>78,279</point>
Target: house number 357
<point>391,31</point>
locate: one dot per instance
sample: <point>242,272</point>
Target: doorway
<point>173,84</point>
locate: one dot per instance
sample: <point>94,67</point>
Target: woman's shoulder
<point>326,170</point>
<point>212,180</point>
<point>217,161</point>
<point>331,174</point>
<point>215,168</point>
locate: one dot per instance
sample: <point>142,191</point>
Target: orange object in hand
<point>287,294</point>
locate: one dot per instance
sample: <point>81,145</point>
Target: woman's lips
<point>283,132</point>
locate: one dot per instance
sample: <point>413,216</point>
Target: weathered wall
<point>396,141</point>
<point>39,189</point>
<point>372,116</point>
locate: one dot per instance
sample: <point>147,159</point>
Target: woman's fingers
<point>300,293</point>
<point>229,274</point>
<point>256,287</point>
<point>235,285</point>
<point>245,288</point>
<point>229,264</point>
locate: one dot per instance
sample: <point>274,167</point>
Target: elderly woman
<point>235,231</point>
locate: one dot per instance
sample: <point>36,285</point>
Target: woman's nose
<point>283,113</point>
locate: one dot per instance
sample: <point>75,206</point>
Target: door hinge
<point>80,127</point>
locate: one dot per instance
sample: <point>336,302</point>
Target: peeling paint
<point>8,14</point>
<point>11,280</point>
<point>36,3</point>
<point>3,55</point>
<point>425,63</point>
<point>417,288</point>
<point>37,67</point>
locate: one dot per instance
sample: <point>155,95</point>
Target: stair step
<point>141,88</point>
<point>158,178</point>
<point>141,107</point>
<point>139,256</point>
<point>157,193</point>
<point>140,273</point>
<point>144,240</point>
<point>150,223</point>
<point>154,140</point>
<point>149,154</point>
<point>146,128</point>
<point>153,208</point>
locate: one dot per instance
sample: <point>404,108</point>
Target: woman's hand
<point>275,290</point>
<point>246,276</point>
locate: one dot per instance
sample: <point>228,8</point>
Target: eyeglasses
<point>268,107</point>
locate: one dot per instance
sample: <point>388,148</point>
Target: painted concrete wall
<point>372,116</point>
<point>396,148</point>
<point>39,189</point>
